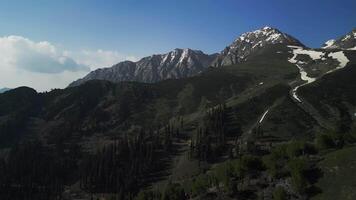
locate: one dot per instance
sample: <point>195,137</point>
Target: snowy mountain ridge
<point>250,42</point>
<point>179,63</point>
<point>346,42</point>
<point>182,63</point>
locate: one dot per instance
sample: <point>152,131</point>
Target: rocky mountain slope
<point>347,41</point>
<point>182,63</point>
<point>179,63</point>
<point>250,42</point>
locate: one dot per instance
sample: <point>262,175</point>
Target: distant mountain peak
<point>178,63</point>
<point>273,34</point>
<point>4,90</point>
<point>347,42</point>
<point>266,28</point>
<point>250,42</point>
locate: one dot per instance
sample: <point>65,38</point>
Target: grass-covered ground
<point>339,179</point>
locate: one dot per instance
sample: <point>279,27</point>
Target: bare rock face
<point>179,63</point>
<point>251,42</point>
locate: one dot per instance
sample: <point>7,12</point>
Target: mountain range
<point>254,121</point>
<point>179,63</point>
<point>4,89</point>
<point>182,63</point>
<point>345,42</point>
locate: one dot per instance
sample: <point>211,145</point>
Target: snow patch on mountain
<point>329,44</point>
<point>297,50</point>
<point>304,76</point>
<point>315,55</point>
<point>346,38</point>
<point>263,116</point>
<point>341,58</point>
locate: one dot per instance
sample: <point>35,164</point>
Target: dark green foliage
<point>338,180</point>
<point>289,159</point>
<point>275,161</point>
<point>224,171</point>
<point>297,168</point>
<point>200,184</point>
<point>297,148</point>
<point>16,108</point>
<point>119,167</point>
<point>330,140</point>
<point>149,195</point>
<point>210,139</point>
<point>324,141</point>
<point>279,194</point>
<point>32,171</point>
<point>350,137</point>
<point>247,164</point>
<point>174,191</point>
<point>233,172</point>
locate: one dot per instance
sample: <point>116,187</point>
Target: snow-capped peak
<point>267,33</point>
<point>250,42</point>
<point>347,42</point>
<point>329,44</point>
<point>267,28</point>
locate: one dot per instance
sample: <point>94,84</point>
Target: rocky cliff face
<point>251,42</point>
<point>179,63</point>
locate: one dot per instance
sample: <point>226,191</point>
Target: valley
<point>262,119</point>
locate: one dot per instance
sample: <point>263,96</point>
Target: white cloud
<point>99,58</point>
<point>41,57</point>
<point>42,65</point>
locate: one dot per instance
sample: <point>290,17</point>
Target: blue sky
<point>108,31</point>
<point>145,27</point>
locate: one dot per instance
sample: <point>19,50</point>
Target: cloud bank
<point>42,57</point>
<point>44,66</point>
<point>99,58</point>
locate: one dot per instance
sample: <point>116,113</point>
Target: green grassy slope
<point>334,96</point>
<point>339,179</point>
